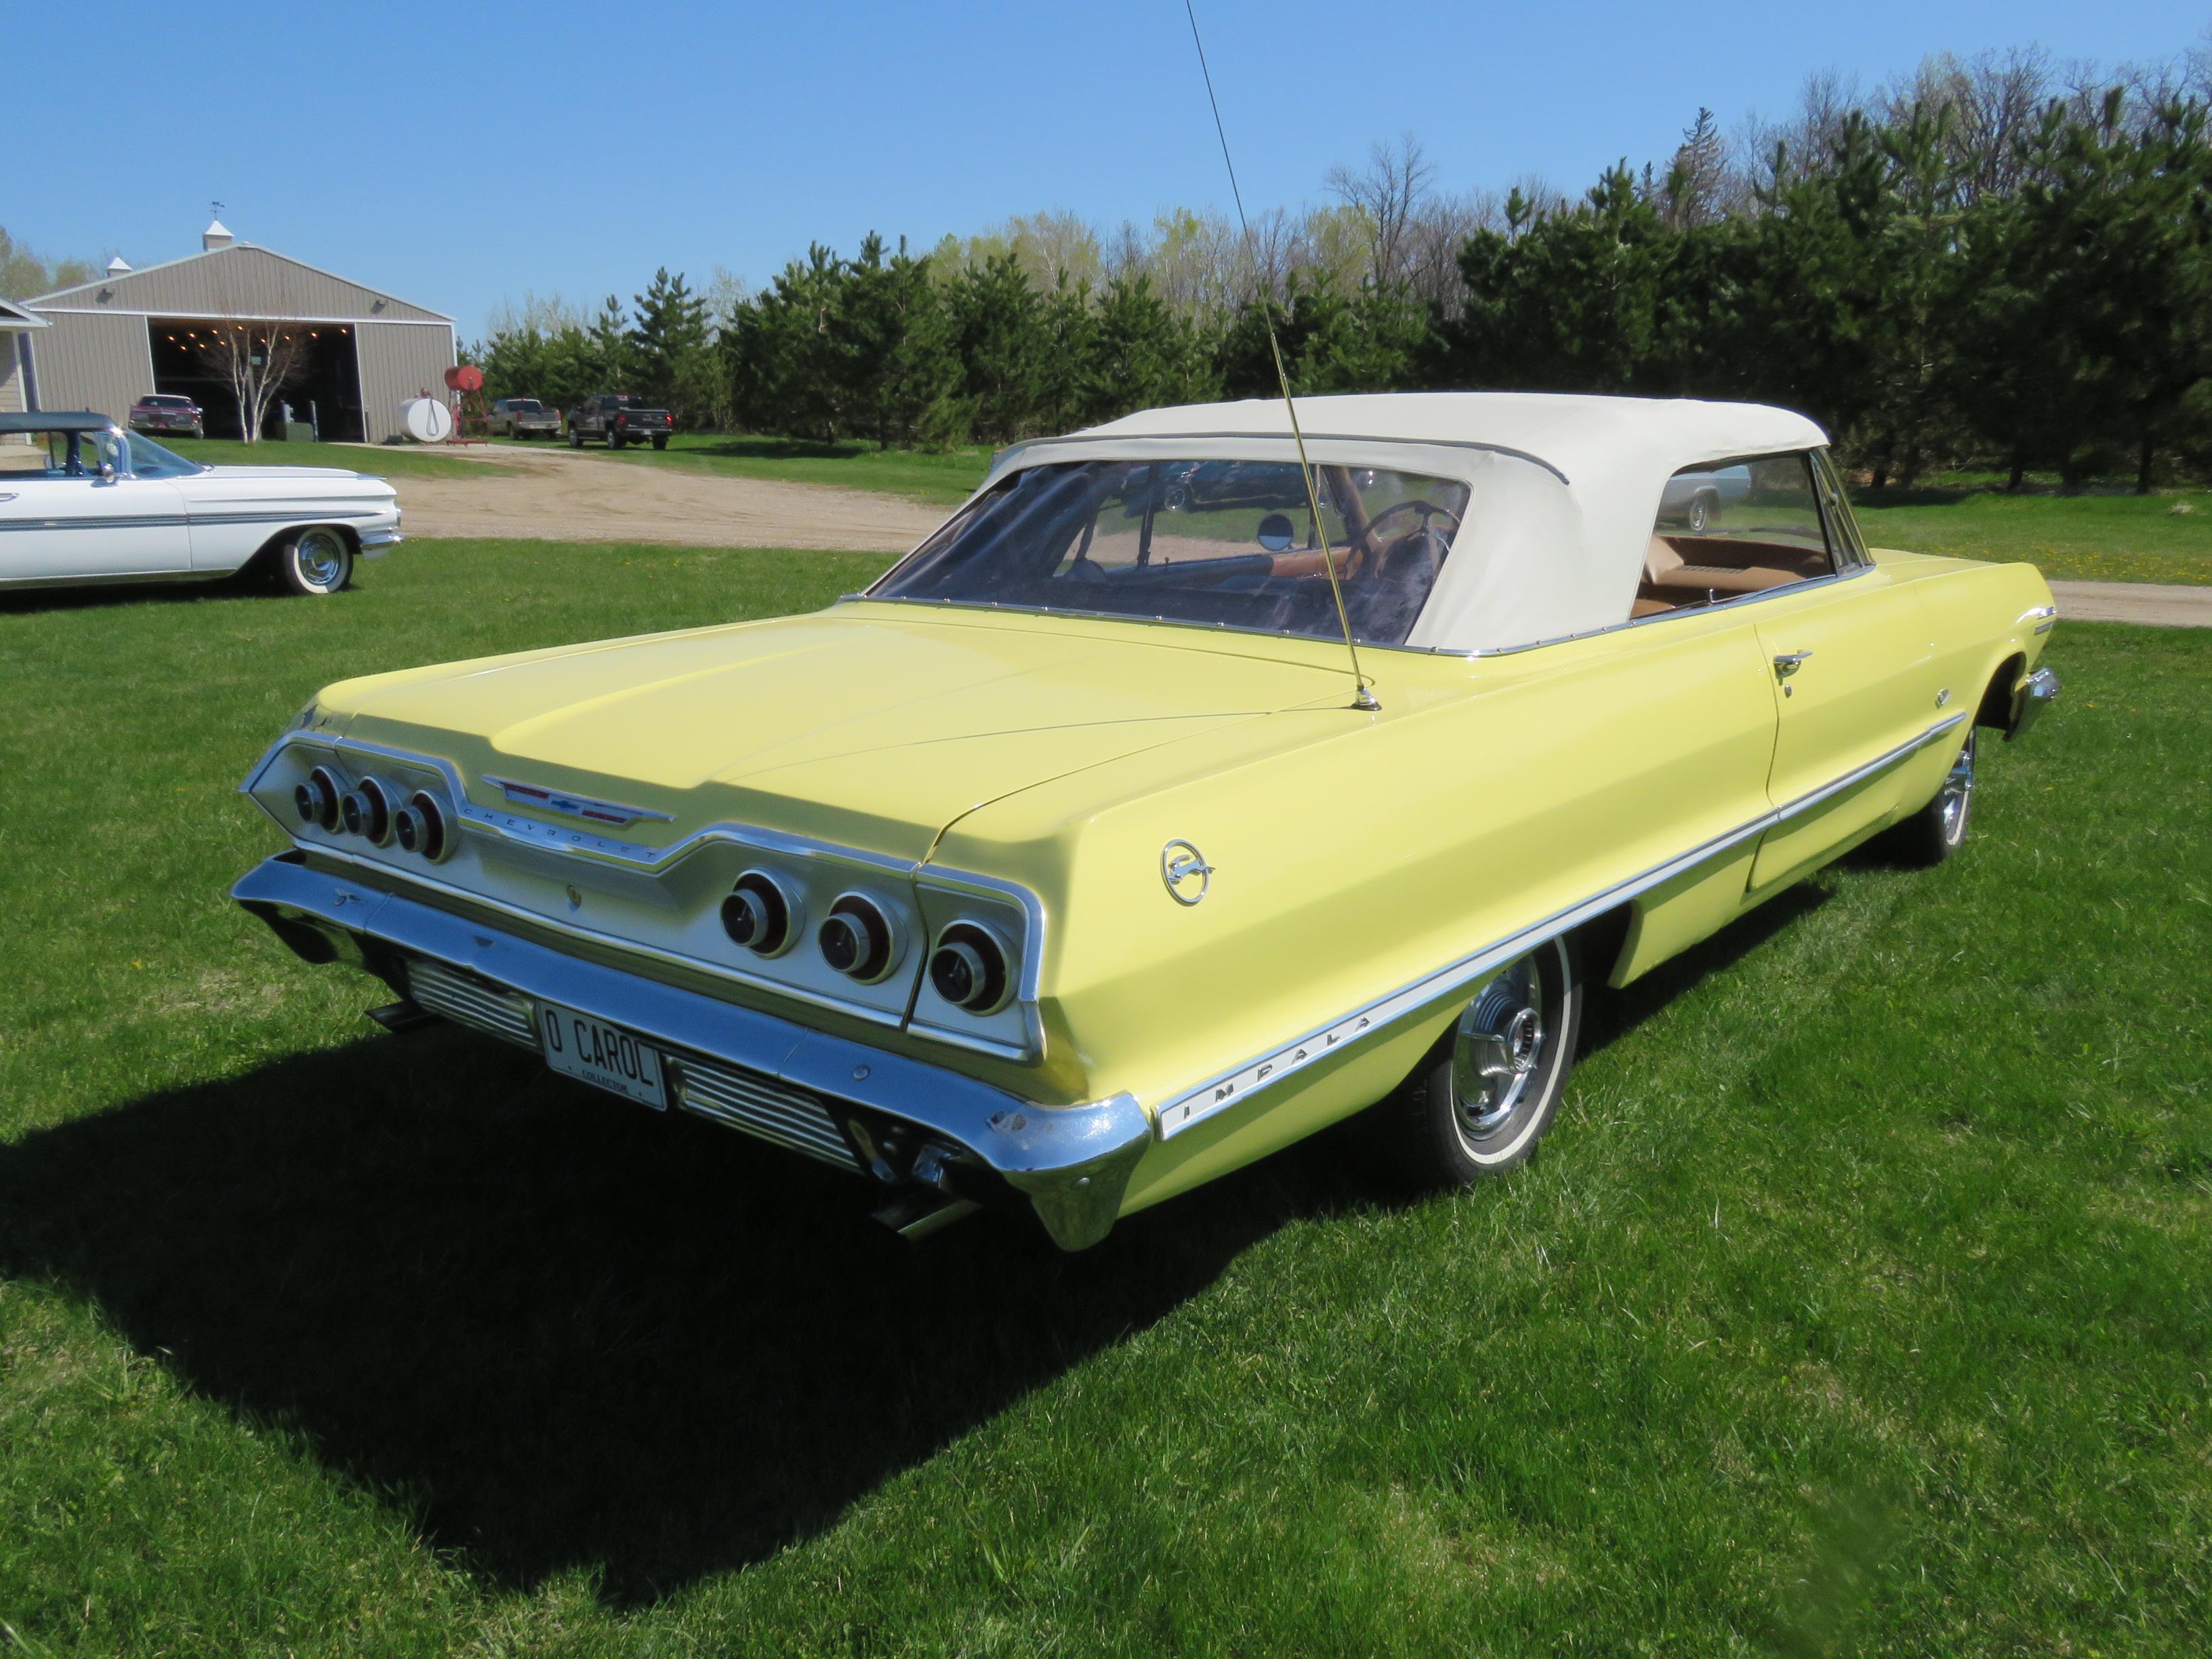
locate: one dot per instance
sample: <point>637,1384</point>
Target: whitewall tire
<point>314,561</point>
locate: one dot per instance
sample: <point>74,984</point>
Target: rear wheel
<point>575,438</point>
<point>1486,1093</point>
<point>614,440</point>
<point>1937,829</point>
<point>315,562</point>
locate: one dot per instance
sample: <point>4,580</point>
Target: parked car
<point>523,417</point>
<point>618,418</point>
<point>1064,868</point>
<point>1694,498</point>
<point>167,411</point>
<point>84,500</point>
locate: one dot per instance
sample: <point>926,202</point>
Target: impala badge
<point>1185,871</point>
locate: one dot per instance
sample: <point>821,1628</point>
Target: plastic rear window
<point>1226,543</point>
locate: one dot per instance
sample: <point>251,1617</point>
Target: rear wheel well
<point>1599,943</point>
<point>1995,709</point>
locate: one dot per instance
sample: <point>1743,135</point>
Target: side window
<point>1733,527</point>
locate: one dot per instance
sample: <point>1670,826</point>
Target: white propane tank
<point>427,421</point>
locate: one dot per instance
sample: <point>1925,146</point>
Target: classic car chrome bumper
<point>2030,698</point>
<point>756,1072</point>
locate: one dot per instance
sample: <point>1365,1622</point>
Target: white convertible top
<point>1566,488</point>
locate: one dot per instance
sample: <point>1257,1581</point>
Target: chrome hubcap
<point>321,558</point>
<point>1957,797</point>
<point>1497,1048</point>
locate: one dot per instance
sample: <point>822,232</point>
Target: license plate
<point>580,1045</point>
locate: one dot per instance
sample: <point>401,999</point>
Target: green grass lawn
<point>1858,1302</point>
<point>391,460</point>
<point>944,478</point>
<point>2090,537</point>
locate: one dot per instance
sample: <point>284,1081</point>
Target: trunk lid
<point>868,731</point>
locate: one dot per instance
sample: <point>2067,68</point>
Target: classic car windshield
<point>1232,543</point>
<point>150,460</point>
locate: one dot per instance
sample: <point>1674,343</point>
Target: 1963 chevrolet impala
<point>1066,867</point>
<point>84,500</point>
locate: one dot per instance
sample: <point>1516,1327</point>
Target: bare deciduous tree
<point>1389,192</point>
<point>257,359</point>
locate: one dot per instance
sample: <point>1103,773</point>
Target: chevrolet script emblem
<point>575,807</point>
<point>1185,871</point>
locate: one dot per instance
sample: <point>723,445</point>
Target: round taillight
<point>856,938</point>
<point>420,827</point>
<point>365,811</point>
<point>317,799</point>
<point>757,914</point>
<point>969,968</point>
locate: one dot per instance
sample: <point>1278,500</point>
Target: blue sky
<point>459,153</point>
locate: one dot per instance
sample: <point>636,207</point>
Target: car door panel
<point>1854,680</point>
<point>62,529</point>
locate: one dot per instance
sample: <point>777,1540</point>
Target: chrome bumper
<point>751,1070</point>
<point>373,542</point>
<point>2030,698</point>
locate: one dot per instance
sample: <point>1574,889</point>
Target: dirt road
<point>2160,604</point>
<point>570,496</point>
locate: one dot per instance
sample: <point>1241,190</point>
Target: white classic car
<point>84,500</point>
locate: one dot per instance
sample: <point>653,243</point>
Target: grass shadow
<point>99,595</point>
<point>1609,1015</point>
<point>560,1331</point>
<point>563,1332</point>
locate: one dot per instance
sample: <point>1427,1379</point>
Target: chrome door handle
<point>1788,663</point>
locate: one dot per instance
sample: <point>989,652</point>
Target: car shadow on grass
<point>563,1332</point>
<point>101,596</point>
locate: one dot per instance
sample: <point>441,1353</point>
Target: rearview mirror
<point>1277,532</point>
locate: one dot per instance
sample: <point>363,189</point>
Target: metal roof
<point>241,280</point>
<point>49,420</point>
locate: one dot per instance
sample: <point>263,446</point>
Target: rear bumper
<point>2030,698</point>
<point>899,1119</point>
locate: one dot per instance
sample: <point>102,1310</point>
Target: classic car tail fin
<point>1363,695</point>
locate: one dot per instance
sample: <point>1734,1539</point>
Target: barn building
<point>102,345</point>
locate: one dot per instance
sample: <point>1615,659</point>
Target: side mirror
<point>1277,532</point>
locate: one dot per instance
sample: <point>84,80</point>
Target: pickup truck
<point>523,417</point>
<point>618,418</point>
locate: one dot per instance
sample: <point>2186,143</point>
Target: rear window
<point>1231,544</point>
<point>165,400</point>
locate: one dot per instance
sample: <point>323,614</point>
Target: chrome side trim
<point>1371,1019</point>
<point>1071,1161</point>
<point>171,520</point>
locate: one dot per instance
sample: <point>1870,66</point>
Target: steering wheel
<point>1419,542</point>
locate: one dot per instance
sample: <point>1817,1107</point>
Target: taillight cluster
<point>864,940</point>
<point>379,812</point>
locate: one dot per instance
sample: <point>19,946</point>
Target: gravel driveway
<point>572,495</point>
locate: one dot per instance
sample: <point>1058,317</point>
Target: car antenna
<point>1363,695</point>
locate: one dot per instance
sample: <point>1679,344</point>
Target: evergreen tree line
<point>1971,267</point>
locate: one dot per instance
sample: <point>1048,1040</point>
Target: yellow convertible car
<point>1160,810</point>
